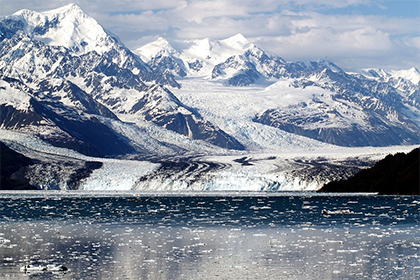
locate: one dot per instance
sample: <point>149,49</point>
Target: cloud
<point>350,41</point>
<point>327,42</point>
<point>321,4</point>
<point>343,31</point>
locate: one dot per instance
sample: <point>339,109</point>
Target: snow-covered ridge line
<point>412,74</point>
<point>207,53</point>
<point>197,58</point>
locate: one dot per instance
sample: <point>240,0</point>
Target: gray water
<point>209,236</point>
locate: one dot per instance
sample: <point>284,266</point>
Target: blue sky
<point>354,34</point>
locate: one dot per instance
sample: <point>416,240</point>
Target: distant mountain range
<point>67,80</point>
<point>373,108</point>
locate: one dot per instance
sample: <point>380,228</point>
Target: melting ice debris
<point>56,268</point>
<point>43,268</point>
<point>32,268</point>
<point>336,212</point>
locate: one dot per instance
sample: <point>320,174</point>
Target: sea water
<point>237,235</point>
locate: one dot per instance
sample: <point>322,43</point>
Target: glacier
<point>201,115</point>
<point>292,170</point>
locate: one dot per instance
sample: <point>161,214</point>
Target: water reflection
<point>211,238</point>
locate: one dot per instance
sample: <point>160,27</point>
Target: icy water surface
<point>209,236</point>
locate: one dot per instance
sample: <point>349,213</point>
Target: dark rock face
<point>83,172</point>
<point>11,118</point>
<point>196,65</point>
<point>11,163</point>
<point>76,127</point>
<point>396,174</point>
<point>9,27</point>
<point>87,135</point>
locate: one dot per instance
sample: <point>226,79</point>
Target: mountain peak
<point>411,74</point>
<point>151,49</point>
<point>64,10</point>
<point>162,41</point>
<point>238,41</point>
<point>70,8</point>
<point>68,26</point>
<point>239,37</point>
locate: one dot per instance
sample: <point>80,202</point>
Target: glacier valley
<point>208,115</point>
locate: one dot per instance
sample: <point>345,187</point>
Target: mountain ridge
<point>375,107</point>
<point>101,82</point>
<point>103,78</point>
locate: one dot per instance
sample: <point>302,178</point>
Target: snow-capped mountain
<point>249,67</point>
<point>405,81</point>
<point>412,75</point>
<point>349,110</point>
<point>197,58</point>
<point>67,27</point>
<point>162,56</point>
<point>235,61</point>
<point>70,44</point>
<point>65,61</point>
<point>376,107</point>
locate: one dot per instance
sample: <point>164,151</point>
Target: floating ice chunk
<point>53,267</point>
<point>33,268</point>
<point>336,212</point>
<point>43,268</point>
<point>4,240</point>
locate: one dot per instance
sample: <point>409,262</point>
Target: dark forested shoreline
<point>11,163</point>
<point>395,174</point>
